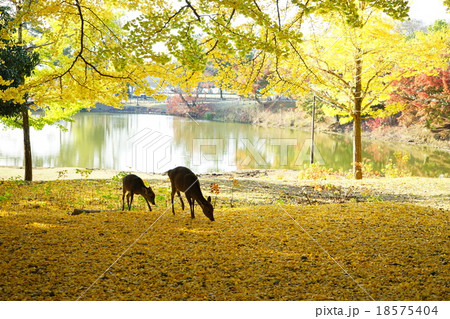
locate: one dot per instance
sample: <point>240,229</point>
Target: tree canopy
<point>16,63</point>
<point>83,60</point>
<point>330,57</point>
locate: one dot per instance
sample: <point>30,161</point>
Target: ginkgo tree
<point>353,67</point>
<point>82,60</point>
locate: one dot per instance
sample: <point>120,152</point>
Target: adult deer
<point>184,180</point>
<point>134,185</point>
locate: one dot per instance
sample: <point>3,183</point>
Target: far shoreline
<point>416,135</point>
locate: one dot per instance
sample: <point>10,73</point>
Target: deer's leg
<point>131,201</point>
<point>181,199</point>
<point>171,199</point>
<point>123,200</point>
<point>128,200</point>
<point>191,205</point>
<point>192,208</point>
<point>149,207</point>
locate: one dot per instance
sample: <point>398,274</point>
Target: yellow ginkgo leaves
<point>351,251</point>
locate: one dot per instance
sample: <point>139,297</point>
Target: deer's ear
<point>209,199</point>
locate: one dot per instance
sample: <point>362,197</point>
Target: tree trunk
<point>25,118</point>
<point>27,146</point>
<point>357,148</point>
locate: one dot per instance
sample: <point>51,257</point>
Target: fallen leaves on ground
<point>346,251</point>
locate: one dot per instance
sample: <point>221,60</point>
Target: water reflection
<point>155,143</point>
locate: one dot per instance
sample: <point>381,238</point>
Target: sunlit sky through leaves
<point>428,11</point>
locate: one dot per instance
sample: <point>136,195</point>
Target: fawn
<point>184,180</point>
<point>134,185</point>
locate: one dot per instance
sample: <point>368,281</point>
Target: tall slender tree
<point>354,66</point>
<point>17,63</point>
<point>82,61</point>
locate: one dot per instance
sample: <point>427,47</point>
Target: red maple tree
<point>186,106</point>
<point>426,97</point>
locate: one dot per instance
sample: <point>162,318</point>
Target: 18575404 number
<point>406,310</point>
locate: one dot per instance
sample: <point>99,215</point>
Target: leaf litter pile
<point>336,251</point>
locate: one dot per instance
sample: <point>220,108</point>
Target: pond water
<point>156,143</point>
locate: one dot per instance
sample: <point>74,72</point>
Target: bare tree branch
<point>189,5</point>
<point>278,14</point>
<point>80,55</point>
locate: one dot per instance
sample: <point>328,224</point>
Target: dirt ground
<point>263,187</point>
